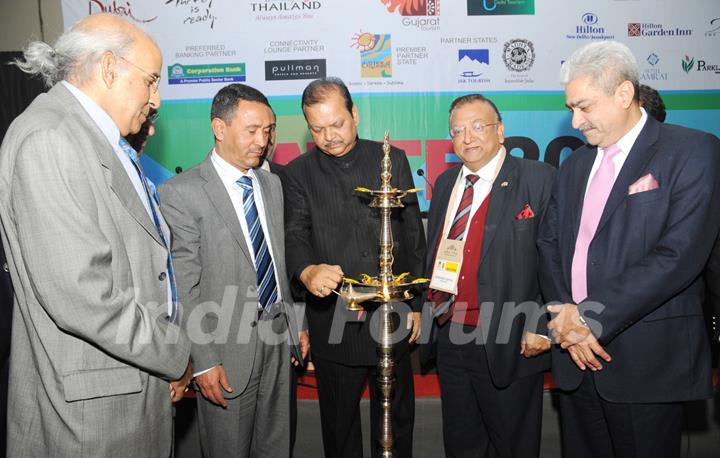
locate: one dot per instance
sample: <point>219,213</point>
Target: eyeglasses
<point>478,127</point>
<point>154,82</point>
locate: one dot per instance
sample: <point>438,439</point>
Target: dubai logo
<point>474,62</point>
<point>500,7</point>
<point>519,55</point>
<point>375,54</point>
<point>413,7</point>
<point>116,8</point>
<point>688,63</point>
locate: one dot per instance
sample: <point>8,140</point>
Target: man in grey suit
<point>226,217</point>
<point>94,342</point>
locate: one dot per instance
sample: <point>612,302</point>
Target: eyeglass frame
<point>155,84</point>
<point>478,127</point>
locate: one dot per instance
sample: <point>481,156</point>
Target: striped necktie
<point>151,195</point>
<point>458,229</point>
<point>264,267</point>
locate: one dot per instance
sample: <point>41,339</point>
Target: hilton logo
<point>304,69</point>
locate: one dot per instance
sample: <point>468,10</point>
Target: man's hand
<point>180,386</point>
<point>304,340</point>
<point>583,354</point>
<point>414,318</point>
<point>533,344</point>
<point>321,279</point>
<point>212,383</point>
<point>569,331</point>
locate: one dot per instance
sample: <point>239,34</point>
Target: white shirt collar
<point>628,140</point>
<point>488,171</point>
<point>229,174</point>
<point>98,115</point>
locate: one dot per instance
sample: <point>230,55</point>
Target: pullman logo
<point>303,69</point>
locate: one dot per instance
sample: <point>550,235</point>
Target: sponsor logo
<point>278,6</point>
<point>519,55</point>
<point>688,63</point>
<point>500,7</point>
<point>653,73</point>
<point>302,69</point>
<point>715,30</point>
<point>195,12</point>
<point>209,73</point>
<point>375,54</point>
<point>118,8</point>
<point>649,29</point>
<point>413,7</point>
<point>590,29</point>
<point>473,64</point>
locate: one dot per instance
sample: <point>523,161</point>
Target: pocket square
<point>644,183</point>
<point>525,213</point>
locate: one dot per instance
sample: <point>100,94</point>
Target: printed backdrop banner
<point>405,60</point>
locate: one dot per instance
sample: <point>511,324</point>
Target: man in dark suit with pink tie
<point>629,228</point>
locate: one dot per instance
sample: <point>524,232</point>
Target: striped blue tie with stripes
<point>264,267</point>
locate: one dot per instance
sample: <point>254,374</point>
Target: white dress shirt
<point>481,188</point>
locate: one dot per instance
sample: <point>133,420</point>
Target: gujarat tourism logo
<point>375,54</point>
<point>413,7</point>
<point>500,7</point>
<point>519,55</point>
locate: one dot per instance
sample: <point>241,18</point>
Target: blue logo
<point>473,62</point>
<point>589,18</point>
<point>653,59</point>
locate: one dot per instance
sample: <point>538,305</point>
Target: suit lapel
<point>440,200</point>
<point>641,153</point>
<point>503,187</point>
<point>218,196</point>
<point>119,181</point>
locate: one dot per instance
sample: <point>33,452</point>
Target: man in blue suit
<point>629,228</point>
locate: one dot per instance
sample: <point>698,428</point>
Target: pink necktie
<point>595,199</point>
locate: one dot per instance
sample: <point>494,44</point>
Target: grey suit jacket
<point>215,271</point>
<point>91,343</point>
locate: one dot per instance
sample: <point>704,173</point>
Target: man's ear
<point>108,68</point>
<point>626,93</point>
<point>218,128</point>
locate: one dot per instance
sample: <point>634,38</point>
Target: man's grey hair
<point>607,63</point>
<point>75,54</point>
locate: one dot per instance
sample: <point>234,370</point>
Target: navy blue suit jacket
<point>507,271</point>
<point>644,265</point>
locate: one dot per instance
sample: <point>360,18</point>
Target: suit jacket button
<point>6,268</point>
<point>253,324</point>
<point>162,276</point>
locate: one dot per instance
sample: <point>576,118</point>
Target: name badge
<point>448,263</point>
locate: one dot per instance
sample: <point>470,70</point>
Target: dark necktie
<point>458,229</point>
<point>151,195</point>
<point>264,267</point>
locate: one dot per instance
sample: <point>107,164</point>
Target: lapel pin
<point>504,184</point>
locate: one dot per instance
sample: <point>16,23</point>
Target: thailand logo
<point>375,54</point>
<point>473,62</point>
<point>294,69</point>
<point>500,7</point>
<point>209,73</point>
<point>413,7</point>
<point>519,55</point>
<point>688,63</point>
<point>277,6</point>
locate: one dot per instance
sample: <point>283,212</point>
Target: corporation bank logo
<point>375,54</point>
<point>519,55</point>
<point>207,73</point>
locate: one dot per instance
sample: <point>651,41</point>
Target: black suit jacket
<point>644,265</point>
<point>507,272</point>
<point>326,221</point>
